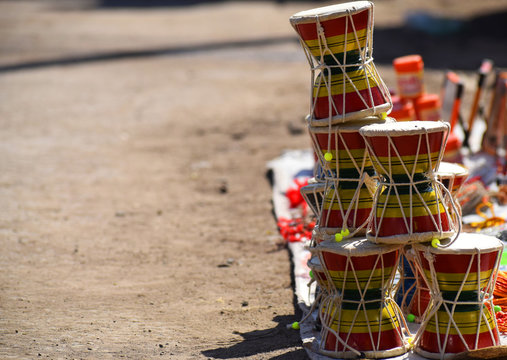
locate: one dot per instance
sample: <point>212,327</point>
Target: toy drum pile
<point>378,198</point>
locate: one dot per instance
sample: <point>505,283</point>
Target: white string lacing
<point>321,76</point>
<point>331,313</point>
<point>484,300</point>
<point>388,186</point>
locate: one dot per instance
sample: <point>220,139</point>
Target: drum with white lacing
<point>349,180</point>
<point>409,205</point>
<point>461,278</point>
<point>338,42</point>
<point>359,316</point>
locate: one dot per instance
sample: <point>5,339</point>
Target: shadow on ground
<point>264,341</point>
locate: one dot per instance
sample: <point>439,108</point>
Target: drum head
<point>466,243</point>
<point>404,128</point>
<point>356,247</point>
<point>330,12</point>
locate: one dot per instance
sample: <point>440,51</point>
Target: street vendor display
<point>380,193</point>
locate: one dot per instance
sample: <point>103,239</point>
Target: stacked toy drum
<point>357,312</point>
<point>378,196</point>
<point>461,278</point>
<point>409,204</point>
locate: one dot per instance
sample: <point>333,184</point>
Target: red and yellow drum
<point>359,316</point>
<point>346,205</point>
<point>461,278</point>
<point>336,34</point>
<point>341,150</point>
<point>406,148</point>
<point>409,204</point>
<point>338,42</point>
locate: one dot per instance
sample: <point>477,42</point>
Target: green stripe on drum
<point>353,57</point>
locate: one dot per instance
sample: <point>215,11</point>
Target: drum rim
<point>400,350</point>
<point>308,188</point>
<point>314,263</point>
<point>349,126</point>
<point>330,12</point>
<point>404,128</point>
<point>344,247</point>
<point>408,238</point>
<point>480,244</point>
<point>350,116</point>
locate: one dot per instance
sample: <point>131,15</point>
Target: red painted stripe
<point>362,342</point>
<point>334,27</point>
<point>458,263</point>
<point>353,102</point>
<point>421,224</point>
<point>407,145</point>
<point>336,219</point>
<point>353,140</point>
<point>335,262</point>
<point>454,344</point>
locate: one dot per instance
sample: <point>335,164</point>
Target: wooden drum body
<point>338,42</point>
<point>409,204</point>
<point>461,278</point>
<point>359,315</point>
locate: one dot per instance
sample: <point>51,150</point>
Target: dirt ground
<point>135,215</point>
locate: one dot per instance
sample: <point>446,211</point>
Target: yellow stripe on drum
<point>345,160</point>
<point>453,281</point>
<point>357,80</point>
<point>393,164</point>
<point>409,203</point>
<point>356,321</point>
<point>364,199</point>
<point>377,278</point>
<point>465,321</point>
<point>336,44</point>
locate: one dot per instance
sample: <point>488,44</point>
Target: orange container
<point>403,110</point>
<point>409,75</point>
<point>427,107</point>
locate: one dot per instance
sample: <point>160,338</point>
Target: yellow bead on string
<point>435,243</point>
<point>328,156</point>
<point>338,237</point>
